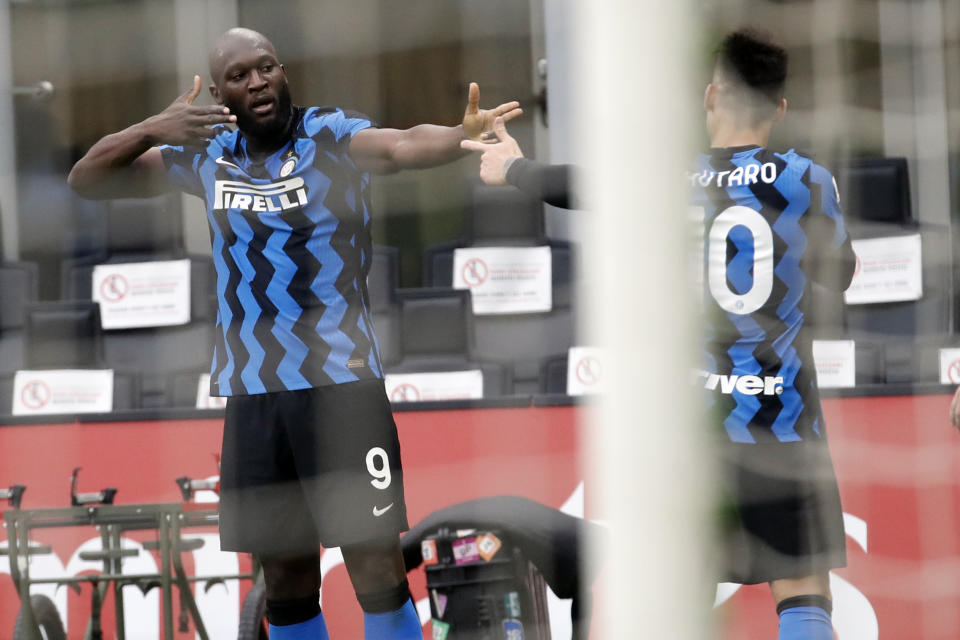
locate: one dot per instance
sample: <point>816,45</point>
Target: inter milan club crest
<point>289,164</point>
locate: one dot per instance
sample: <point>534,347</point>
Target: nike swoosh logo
<point>379,512</point>
<point>227,164</point>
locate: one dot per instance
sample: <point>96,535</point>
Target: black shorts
<point>305,468</point>
<point>780,512</point>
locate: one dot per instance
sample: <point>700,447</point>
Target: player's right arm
<point>128,164</point>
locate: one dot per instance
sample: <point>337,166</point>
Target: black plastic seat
<point>18,287</point>
<point>928,316</point>
<point>64,334</point>
<point>500,217</point>
<point>155,353</point>
<point>436,336</point>
<point>875,189</point>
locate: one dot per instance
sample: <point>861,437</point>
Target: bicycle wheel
<point>45,613</point>
<point>253,614</point>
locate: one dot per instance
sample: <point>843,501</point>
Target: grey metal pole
<point>9,210</point>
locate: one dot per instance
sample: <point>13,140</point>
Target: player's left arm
<point>832,260</point>
<point>426,145</point>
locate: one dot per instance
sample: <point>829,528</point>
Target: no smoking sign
<point>953,372</point>
<point>35,394</point>
<point>585,370</point>
<point>950,365</point>
<point>589,371</point>
<point>114,288</point>
<point>475,272</point>
<point>405,393</point>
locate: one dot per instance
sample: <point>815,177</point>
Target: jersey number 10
<point>722,225</point>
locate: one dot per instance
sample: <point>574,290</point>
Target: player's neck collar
<point>717,151</point>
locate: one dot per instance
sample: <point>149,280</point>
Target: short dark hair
<point>752,59</point>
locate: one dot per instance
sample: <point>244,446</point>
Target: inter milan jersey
<point>292,249</point>
<point>772,223</point>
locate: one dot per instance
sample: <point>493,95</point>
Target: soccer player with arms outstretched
<point>772,224</point>
<point>310,451</point>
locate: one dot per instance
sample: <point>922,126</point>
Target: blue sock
<point>402,624</point>
<point>803,623</point>
<point>312,629</point>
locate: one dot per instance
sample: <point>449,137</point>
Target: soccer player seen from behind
<point>772,225</point>
<point>310,449</point>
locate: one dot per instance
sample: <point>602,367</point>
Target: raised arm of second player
<point>127,164</point>
<point>426,145</point>
<point>502,162</point>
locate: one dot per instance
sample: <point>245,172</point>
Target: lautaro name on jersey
<point>771,224</point>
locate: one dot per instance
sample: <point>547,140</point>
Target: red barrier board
<point>898,466</point>
<point>448,456</point>
<point>897,462</point>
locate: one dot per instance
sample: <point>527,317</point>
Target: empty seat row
<point>63,227</point>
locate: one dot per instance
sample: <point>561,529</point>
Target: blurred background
<point>873,94</point>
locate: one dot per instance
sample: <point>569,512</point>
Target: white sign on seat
<point>143,294</point>
<point>62,391</point>
<point>836,363</point>
<point>584,371</point>
<point>888,270</point>
<point>505,279</point>
<point>950,366</point>
<point>447,385</point>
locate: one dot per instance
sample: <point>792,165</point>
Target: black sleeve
<point>547,182</point>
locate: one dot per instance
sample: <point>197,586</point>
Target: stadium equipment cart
<point>38,618</point>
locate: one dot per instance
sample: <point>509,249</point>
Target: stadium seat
<point>825,312</point>
<point>382,283</point>
<point>870,356</point>
<point>67,335</point>
<point>436,336</point>
<point>145,225</point>
<point>6,394</point>
<point>64,334</point>
<point>928,316</point>
<point>499,216</point>
<point>553,374</point>
<point>911,361</point>
<point>55,224</point>
<point>77,278</point>
<point>495,217</point>
<point>506,217</point>
<point>435,322</point>
<point>875,189</point>
<point>63,227</point>
<point>18,282</point>
<point>136,230</point>
<point>126,392</point>
<point>384,277</point>
<point>386,325</point>
<point>155,353</point>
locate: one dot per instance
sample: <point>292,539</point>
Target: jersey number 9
<point>381,471</point>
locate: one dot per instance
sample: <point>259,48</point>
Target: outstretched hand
<point>495,154</point>
<point>184,123</point>
<point>477,121</point>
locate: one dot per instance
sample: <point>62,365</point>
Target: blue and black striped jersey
<point>292,248</point>
<point>772,222</point>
